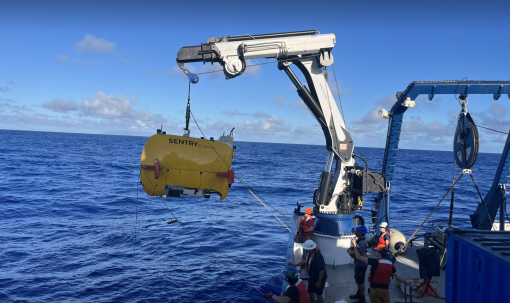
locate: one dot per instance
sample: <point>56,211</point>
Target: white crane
<point>339,193</point>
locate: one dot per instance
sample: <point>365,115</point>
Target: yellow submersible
<point>172,166</point>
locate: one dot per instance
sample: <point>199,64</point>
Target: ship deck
<point>342,285</point>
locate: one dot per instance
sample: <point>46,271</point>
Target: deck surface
<point>342,285</point>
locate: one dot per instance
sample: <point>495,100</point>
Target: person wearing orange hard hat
<point>306,226</point>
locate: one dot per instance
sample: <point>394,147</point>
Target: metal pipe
<point>275,35</point>
<point>329,162</point>
<point>502,210</point>
<point>292,77</point>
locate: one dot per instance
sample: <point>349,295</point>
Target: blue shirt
<point>362,249</point>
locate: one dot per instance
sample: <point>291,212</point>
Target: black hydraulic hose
<point>364,160</point>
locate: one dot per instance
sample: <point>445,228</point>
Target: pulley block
<point>465,143</point>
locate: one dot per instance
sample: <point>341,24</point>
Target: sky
<point>107,67</point>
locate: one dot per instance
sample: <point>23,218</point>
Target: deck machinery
<point>342,183</point>
<point>481,219</point>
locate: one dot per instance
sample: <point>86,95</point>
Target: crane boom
<point>338,193</point>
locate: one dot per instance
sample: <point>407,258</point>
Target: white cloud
<point>259,114</point>
<point>270,125</point>
<point>299,104</point>
<point>372,117</point>
<point>498,110</point>
<point>102,104</point>
<point>252,70</point>
<point>387,101</point>
<point>423,104</point>
<point>92,44</point>
<point>10,82</point>
<point>308,131</point>
<point>61,106</point>
<point>5,89</point>
<point>279,100</point>
<point>370,130</point>
<point>62,58</point>
<point>101,113</point>
<point>106,107</point>
<point>8,100</point>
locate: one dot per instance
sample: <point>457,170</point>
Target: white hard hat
<point>384,224</point>
<point>309,245</point>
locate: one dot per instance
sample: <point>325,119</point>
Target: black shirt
<point>318,264</point>
<point>293,294</point>
<point>374,263</point>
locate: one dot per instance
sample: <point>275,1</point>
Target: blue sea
<point>68,208</point>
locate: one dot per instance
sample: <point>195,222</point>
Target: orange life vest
<point>380,241</point>
<point>302,226</point>
<point>311,256</point>
<point>303,294</point>
<point>383,272</point>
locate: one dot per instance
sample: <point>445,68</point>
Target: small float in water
<point>172,166</point>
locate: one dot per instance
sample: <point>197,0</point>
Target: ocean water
<point>68,203</point>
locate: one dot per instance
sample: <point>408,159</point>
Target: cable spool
<point>465,143</point>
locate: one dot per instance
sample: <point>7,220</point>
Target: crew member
<point>296,291</point>
<point>381,270</point>
<point>360,268</point>
<point>383,240</point>
<point>306,226</point>
<point>316,268</point>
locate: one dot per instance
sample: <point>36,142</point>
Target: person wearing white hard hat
<point>316,268</point>
<point>383,240</point>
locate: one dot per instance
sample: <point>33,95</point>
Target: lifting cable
<point>450,219</point>
<point>205,248</point>
<point>407,242</point>
<point>244,183</point>
<point>136,214</point>
<point>483,202</point>
<point>284,60</point>
<point>249,188</point>
<point>338,92</point>
<point>251,65</point>
<point>506,212</point>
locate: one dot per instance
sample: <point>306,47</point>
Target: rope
<point>458,84</point>
<point>251,65</point>
<point>405,245</point>
<point>338,92</point>
<point>205,248</point>
<point>498,131</point>
<point>450,219</point>
<point>136,215</point>
<point>188,107</point>
<point>246,184</point>
<point>483,202</point>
